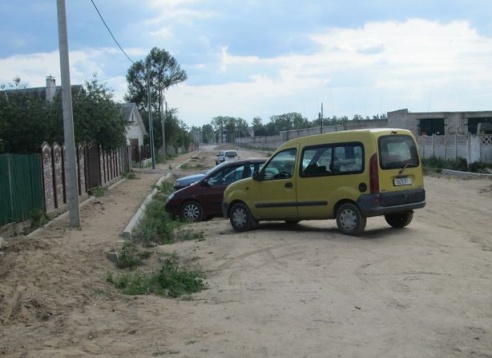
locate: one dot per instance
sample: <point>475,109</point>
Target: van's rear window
<point>397,151</point>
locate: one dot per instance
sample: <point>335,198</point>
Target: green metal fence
<point>21,186</point>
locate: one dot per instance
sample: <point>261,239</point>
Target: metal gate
<point>21,186</point>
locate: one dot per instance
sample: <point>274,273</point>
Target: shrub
<point>128,256</point>
<point>97,192</point>
<point>171,280</point>
<point>156,226</point>
<point>38,218</point>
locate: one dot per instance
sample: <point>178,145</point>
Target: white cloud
<point>32,69</point>
<point>423,65</point>
<point>382,66</point>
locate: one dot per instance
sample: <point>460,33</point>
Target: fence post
<point>48,179</point>
<point>455,146</point>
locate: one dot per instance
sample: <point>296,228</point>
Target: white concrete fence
<point>473,148</point>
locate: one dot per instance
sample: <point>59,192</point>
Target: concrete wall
<point>454,122</point>
<point>473,148</point>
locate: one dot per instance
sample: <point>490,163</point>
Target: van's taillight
<point>374,174</point>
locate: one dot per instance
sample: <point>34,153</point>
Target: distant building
<point>439,123</point>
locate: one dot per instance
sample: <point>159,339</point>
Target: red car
<point>203,200</point>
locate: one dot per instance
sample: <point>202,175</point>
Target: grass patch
<point>98,192</point>
<point>196,166</point>
<point>166,187</point>
<point>156,226</point>
<point>189,235</point>
<point>38,218</point>
<point>129,256</point>
<point>130,175</point>
<point>481,167</point>
<point>172,280</point>
<point>436,165</point>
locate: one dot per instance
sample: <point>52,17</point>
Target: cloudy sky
<point>259,58</point>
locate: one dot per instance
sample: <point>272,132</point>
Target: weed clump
<point>156,226</point>
<point>38,218</point>
<point>129,175</point>
<point>128,256</point>
<point>98,192</point>
<point>171,280</point>
<point>436,165</point>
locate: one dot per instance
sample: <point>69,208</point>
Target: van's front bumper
<point>391,202</point>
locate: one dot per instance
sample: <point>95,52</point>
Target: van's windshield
<point>397,152</point>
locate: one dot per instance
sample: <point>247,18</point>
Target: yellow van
<point>346,175</point>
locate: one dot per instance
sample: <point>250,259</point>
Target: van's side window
<point>281,166</point>
<point>332,159</point>
<point>316,161</point>
<point>348,159</point>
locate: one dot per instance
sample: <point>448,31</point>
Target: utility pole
<point>164,132</point>
<point>321,118</point>
<point>68,131</point>
<point>151,125</point>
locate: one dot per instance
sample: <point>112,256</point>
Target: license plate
<point>402,181</point>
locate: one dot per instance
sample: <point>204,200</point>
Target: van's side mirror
<point>205,182</point>
<point>257,176</point>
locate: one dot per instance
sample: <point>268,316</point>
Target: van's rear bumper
<point>391,202</point>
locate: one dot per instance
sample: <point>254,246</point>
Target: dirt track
<point>307,291</point>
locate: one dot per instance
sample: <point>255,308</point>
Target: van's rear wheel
<point>241,218</point>
<point>399,220</point>
<point>350,220</point>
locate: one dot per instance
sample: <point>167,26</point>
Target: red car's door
<point>213,188</point>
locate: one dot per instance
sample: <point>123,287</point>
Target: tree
<point>97,118</point>
<point>177,132</point>
<point>258,127</point>
<point>242,128</point>
<point>163,71</point>
<point>15,84</point>
<point>208,135</point>
<point>27,120</point>
<point>287,121</point>
<point>218,124</point>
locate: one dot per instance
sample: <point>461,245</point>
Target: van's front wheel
<point>350,220</point>
<point>399,220</point>
<point>241,218</point>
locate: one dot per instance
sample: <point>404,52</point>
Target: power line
<point>104,22</point>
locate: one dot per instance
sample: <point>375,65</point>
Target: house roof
<point>131,108</point>
<point>36,92</point>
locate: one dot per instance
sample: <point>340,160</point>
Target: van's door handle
<point>288,185</point>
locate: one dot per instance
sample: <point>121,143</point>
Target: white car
<point>226,155</point>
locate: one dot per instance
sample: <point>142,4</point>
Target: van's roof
<point>346,135</point>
